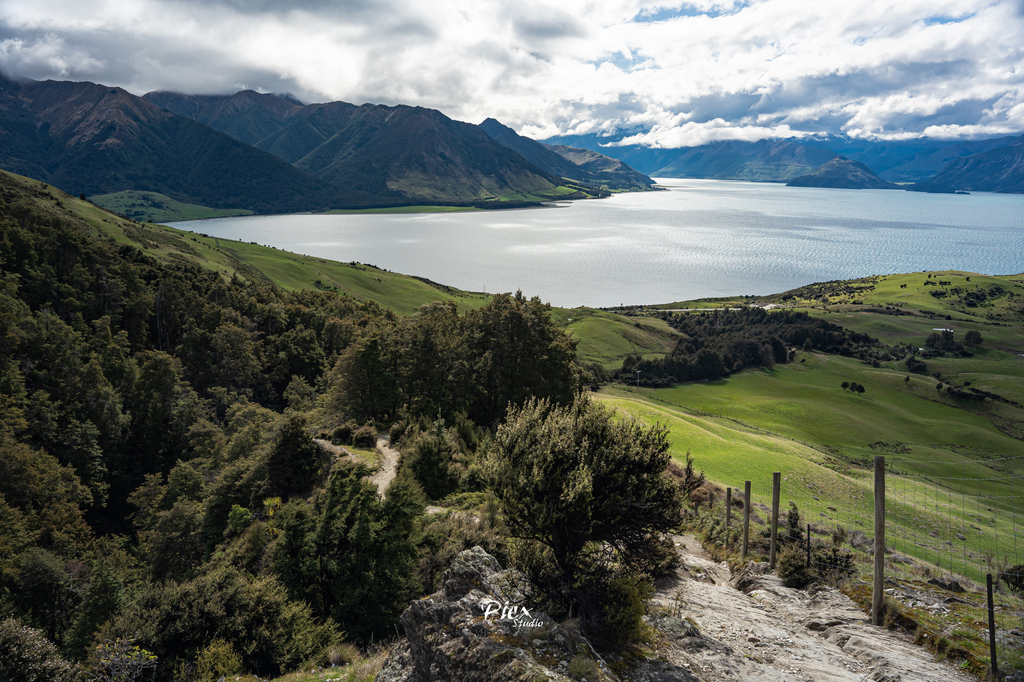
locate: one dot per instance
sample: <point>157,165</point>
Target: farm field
<point>954,465</point>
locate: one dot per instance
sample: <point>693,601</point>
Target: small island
<point>842,173</point>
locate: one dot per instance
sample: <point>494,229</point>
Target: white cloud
<point>681,71</point>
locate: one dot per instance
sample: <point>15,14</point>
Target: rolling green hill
<point>955,460</point>
<point>290,271</point>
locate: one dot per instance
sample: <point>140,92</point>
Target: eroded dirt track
<point>750,627</point>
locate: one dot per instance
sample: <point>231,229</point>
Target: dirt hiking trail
<point>750,627</point>
<point>387,461</point>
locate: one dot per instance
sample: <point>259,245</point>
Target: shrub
<point>238,518</point>
<point>365,437</point>
<point>121,660</point>
<point>794,532</point>
<point>27,656</point>
<point>859,540</point>
<point>343,434</point>
<point>570,476</point>
<point>834,565</point>
<point>1014,578</point>
<point>583,667</point>
<point>612,605</point>
<point>218,659</point>
<point>445,535</point>
<point>345,653</point>
<point>793,569</point>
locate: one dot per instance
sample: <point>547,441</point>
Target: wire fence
<point>951,528</point>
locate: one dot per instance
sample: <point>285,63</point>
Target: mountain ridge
<point>93,139</point>
<point>579,165</point>
<point>781,160</point>
<point>402,153</point>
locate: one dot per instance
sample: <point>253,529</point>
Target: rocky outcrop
<point>480,626</point>
<point>706,624</point>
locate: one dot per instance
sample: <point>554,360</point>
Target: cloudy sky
<point>672,73</point>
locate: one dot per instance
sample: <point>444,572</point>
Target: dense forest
<point>159,476</point>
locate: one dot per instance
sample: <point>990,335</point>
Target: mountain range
<point>91,139</point>
<point>271,153</point>
<point>581,165</point>
<point>993,165</point>
<point>254,152</point>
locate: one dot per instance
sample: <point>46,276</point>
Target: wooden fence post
<point>746,518</point>
<point>728,510</point>
<point>992,629</point>
<point>776,488</point>
<point>808,545</point>
<point>878,586</point>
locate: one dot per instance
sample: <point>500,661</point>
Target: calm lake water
<point>701,238</point>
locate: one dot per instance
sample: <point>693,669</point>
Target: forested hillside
<point>158,473</point>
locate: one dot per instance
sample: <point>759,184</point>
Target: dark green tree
<point>294,464</point>
<point>353,558</point>
<point>519,352</point>
<point>574,475</point>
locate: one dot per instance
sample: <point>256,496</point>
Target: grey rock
<point>451,637</point>
<point>950,585</point>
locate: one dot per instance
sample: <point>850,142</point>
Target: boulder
<point>481,626</point>
<point>950,585</point>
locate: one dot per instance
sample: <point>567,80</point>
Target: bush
<point>833,565</point>
<point>445,535</point>
<point>1014,578</point>
<point>342,654</point>
<point>574,475</point>
<point>218,659</point>
<point>343,434</point>
<point>365,437</point>
<point>793,569</point>
<point>268,631</point>
<point>793,530</point>
<point>583,667</point>
<point>27,656</point>
<point>121,660</point>
<point>612,605</point>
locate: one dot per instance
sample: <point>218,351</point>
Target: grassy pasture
<point>159,208</point>
<point>954,466</point>
<point>607,338</point>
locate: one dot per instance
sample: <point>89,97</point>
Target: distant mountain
<point>579,165</point>
<point>764,160</point>
<point>904,160</point>
<point>782,160</point>
<point>93,139</point>
<point>842,173</point>
<point>996,170</point>
<point>397,153</point>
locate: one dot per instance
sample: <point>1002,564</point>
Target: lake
<point>700,238</point>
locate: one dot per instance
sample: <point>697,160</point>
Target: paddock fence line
<point>943,539</point>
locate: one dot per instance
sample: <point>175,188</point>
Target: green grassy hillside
<point>159,208</point>
<point>955,463</point>
<point>290,271</point>
<point>606,337</point>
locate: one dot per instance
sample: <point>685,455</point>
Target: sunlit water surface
<point>701,238</point>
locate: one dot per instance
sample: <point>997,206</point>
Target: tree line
<point>718,343</point>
